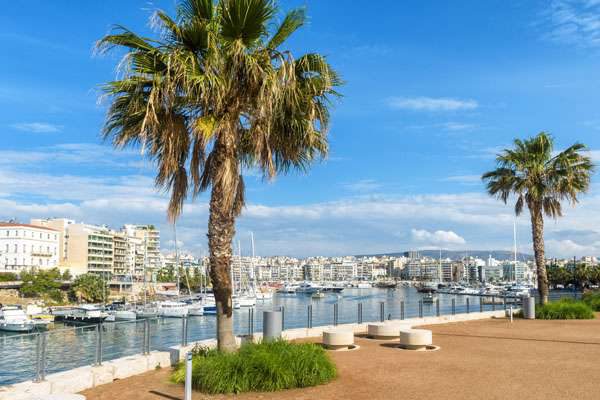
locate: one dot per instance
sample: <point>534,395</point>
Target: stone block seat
<point>415,339</point>
<point>338,339</point>
<point>386,330</point>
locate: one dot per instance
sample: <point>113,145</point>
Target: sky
<point>433,91</point>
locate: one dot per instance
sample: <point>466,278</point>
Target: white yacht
<point>173,309</point>
<point>364,285</point>
<point>288,288</point>
<point>14,319</point>
<point>195,309</point>
<point>147,311</point>
<point>307,287</point>
<point>125,315</point>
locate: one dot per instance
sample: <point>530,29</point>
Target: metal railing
<point>33,356</point>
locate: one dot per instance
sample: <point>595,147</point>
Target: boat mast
<point>176,256</point>
<point>252,263</point>
<point>440,267</point>
<point>144,266</point>
<point>515,248</point>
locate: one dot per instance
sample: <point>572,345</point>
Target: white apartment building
<point>90,249</point>
<point>150,238</point>
<point>25,246</point>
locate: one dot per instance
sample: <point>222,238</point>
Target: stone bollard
<point>272,325</point>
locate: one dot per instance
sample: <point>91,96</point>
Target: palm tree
<point>213,94</point>
<point>540,180</point>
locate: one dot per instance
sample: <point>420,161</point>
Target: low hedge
<point>263,367</point>
<point>564,309</point>
<point>592,299</point>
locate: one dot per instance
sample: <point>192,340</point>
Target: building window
<point>16,250</point>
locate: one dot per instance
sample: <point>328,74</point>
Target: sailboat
<point>146,311</point>
<point>263,293</point>
<point>247,296</point>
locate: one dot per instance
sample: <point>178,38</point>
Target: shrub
<point>264,367</point>
<point>8,277</point>
<point>564,309</point>
<point>592,299</point>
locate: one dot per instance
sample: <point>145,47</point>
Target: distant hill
<point>459,254</point>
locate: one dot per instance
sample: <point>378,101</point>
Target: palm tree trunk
<point>221,229</point>
<point>537,229</point>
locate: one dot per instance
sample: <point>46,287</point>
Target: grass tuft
<point>564,309</point>
<point>264,367</point>
<point>592,299</point>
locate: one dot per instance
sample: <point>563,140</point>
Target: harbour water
<point>72,347</point>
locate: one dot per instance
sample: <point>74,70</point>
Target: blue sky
<point>433,90</point>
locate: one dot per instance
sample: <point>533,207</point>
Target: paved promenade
<point>487,359</point>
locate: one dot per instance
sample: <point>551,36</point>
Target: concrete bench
<point>415,339</point>
<point>385,330</point>
<point>336,339</point>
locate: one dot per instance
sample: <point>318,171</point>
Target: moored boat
<point>14,319</point>
<point>86,314</point>
<point>125,315</point>
<point>172,309</point>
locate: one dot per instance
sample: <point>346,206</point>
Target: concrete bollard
<point>272,324</point>
<point>529,307</point>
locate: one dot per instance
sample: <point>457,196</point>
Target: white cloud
<point>432,104</point>
<point>437,238</point>
<point>363,185</point>
<point>356,224</point>
<point>464,179</point>
<point>574,22</point>
<point>458,126</point>
<point>37,127</point>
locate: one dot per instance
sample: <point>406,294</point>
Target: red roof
<point>8,224</point>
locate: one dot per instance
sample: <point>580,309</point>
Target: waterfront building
<point>24,246</point>
<point>312,272</point>
<point>150,237</point>
<point>60,225</point>
<point>90,249</point>
<point>518,272</point>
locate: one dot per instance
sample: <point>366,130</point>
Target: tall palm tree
<point>212,94</point>
<point>540,180</point>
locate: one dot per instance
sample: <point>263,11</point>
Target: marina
<point>70,347</point>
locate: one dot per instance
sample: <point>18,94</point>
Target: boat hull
<point>146,314</point>
<point>125,316</point>
<point>69,319</point>
<point>16,327</point>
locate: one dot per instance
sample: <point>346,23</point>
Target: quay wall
<point>79,379</point>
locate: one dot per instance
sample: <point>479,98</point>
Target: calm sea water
<point>69,347</point>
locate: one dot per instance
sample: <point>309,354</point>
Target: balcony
<point>41,254</point>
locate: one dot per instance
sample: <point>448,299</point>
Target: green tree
<point>90,288</point>
<point>559,275</point>
<point>215,93</point>
<point>66,276</point>
<point>166,274</point>
<point>540,180</point>
<point>42,283</point>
